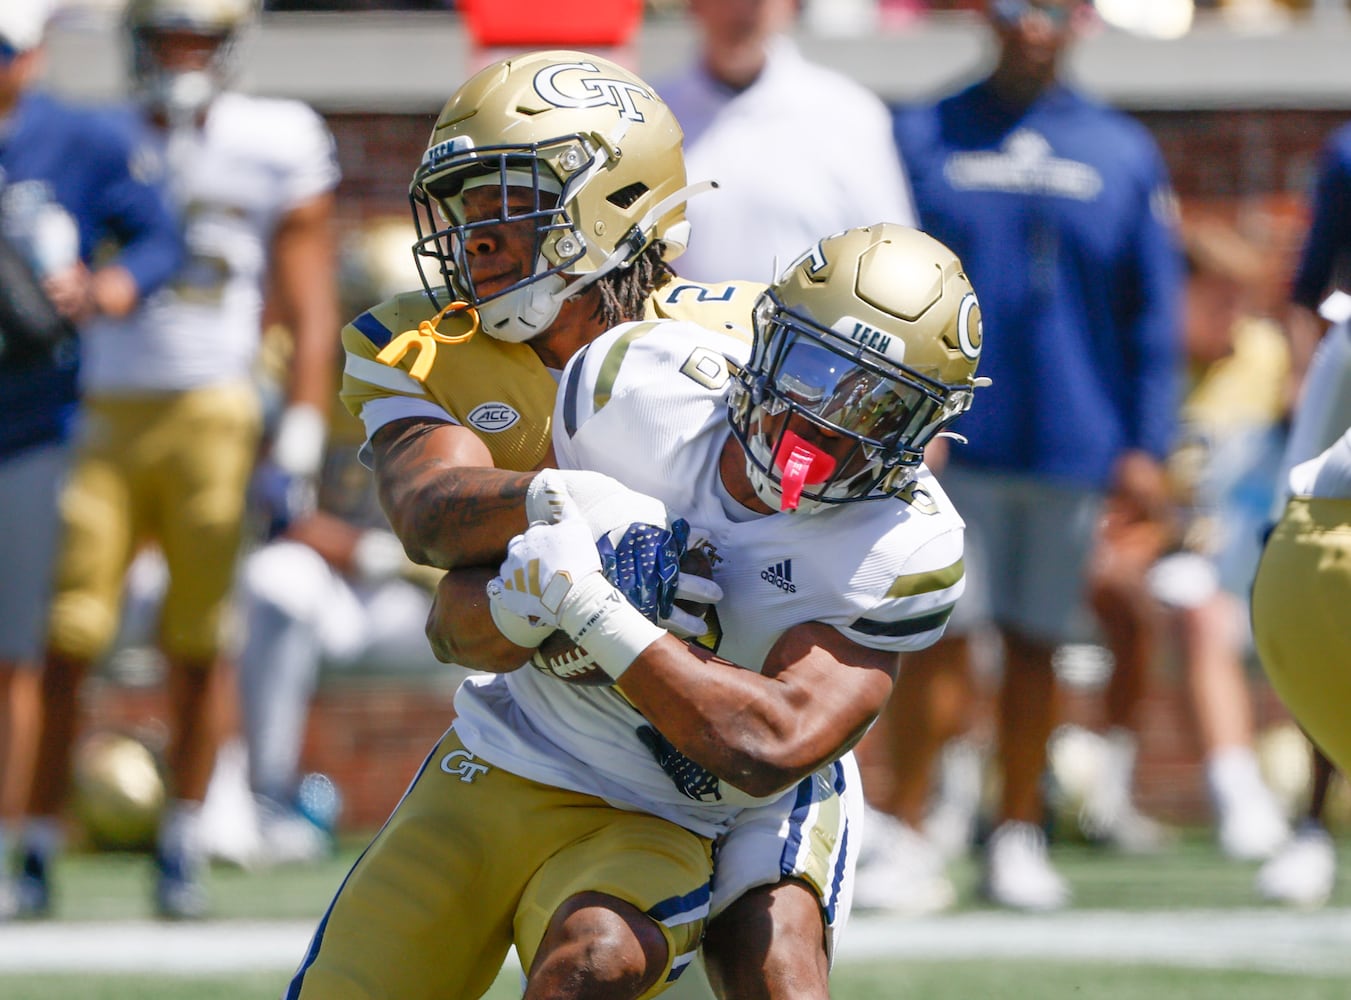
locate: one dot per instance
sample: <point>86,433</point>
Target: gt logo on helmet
<point>595,91</point>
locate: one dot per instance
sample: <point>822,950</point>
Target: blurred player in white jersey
<point>580,804</point>
<point>171,422</point>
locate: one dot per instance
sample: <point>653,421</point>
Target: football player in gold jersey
<point>589,161</point>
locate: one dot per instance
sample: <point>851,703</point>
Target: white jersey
<point>1322,414</point>
<point>1328,475</point>
<point>802,152</point>
<point>253,160</point>
<point>645,403</point>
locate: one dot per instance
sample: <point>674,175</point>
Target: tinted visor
<point>890,409</point>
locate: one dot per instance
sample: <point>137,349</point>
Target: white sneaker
<point>1018,873</point>
<point>286,837</point>
<point>1303,871</point>
<point>899,870</point>
<point>1124,828</point>
<point>1253,829</point>
<point>1250,824</point>
<point>951,823</point>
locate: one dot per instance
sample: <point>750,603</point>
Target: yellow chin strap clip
<point>424,340</point>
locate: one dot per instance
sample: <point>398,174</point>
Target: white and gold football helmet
<point>601,154</point>
<point>183,93</point>
<point>864,350</point>
<point>118,790</point>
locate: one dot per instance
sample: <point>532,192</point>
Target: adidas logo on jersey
<point>781,575</point>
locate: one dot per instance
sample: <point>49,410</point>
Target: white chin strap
<point>524,314</point>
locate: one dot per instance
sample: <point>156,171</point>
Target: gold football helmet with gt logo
<point>596,148</point>
<point>178,92</point>
<point>865,349</point>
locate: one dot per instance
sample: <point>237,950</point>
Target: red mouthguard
<point>799,463</point>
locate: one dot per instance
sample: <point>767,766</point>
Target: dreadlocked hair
<point>624,291</point>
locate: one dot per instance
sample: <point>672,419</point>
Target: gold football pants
<point>475,859</point>
<point>1301,608</point>
<point>169,468</point>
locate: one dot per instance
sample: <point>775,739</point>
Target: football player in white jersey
<point>824,414</point>
<point>171,416</point>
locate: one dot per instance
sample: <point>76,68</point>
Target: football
<point>560,657</point>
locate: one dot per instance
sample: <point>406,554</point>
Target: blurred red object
<point>570,23</point>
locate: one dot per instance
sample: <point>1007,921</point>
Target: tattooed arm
<point>444,499</point>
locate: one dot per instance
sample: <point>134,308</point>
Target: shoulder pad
<point>723,306</point>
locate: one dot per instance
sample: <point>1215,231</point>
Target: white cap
<point>22,22</point>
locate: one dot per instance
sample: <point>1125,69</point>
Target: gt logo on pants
<point>462,763</point>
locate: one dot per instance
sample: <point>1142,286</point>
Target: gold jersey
<point>500,391</point>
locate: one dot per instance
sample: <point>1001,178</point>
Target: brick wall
<point>1252,167</point>
<point>370,735</point>
<point>1228,156</point>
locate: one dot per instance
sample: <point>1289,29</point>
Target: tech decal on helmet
<point>600,155</point>
<point>865,350</point>
<point>182,94</point>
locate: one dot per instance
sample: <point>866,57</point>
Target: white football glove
<point>541,567</point>
<point>604,503</point>
<point>552,579</point>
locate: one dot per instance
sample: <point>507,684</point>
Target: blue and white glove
<point>552,578</point>
<point>285,484</point>
<point>280,498</point>
<point>628,526</point>
<point>643,562</point>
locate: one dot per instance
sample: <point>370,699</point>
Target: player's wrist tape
<point>608,627</point>
<point>298,446</point>
<point>541,497</point>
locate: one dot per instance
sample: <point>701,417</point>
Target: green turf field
<point>1184,925</point>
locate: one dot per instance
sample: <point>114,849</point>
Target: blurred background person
<point>330,589</point>
<point>1062,211</point>
<point>742,104</point>
<point>71,186</point>
<point>1187,579</point>
<point>1304,872</point>
<point>170,429</point>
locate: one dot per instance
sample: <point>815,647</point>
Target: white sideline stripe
<point>153,946</point>
<point>1267,940</point>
